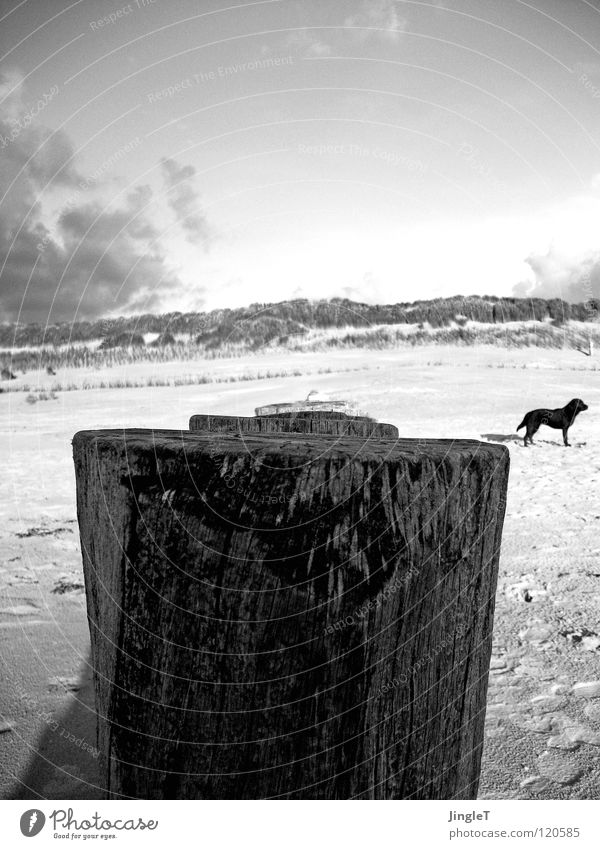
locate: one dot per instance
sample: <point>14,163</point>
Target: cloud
<point>381,15</point>
<point>184,200</point>
<point>90,259</point>
<point>304,43</point>
<point>566,260</point>
<point>11,88</point>
<point>556,274</point>
<point>300,43</point>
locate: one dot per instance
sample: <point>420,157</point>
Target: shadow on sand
<point>503,437</point>
<point>64,764</point>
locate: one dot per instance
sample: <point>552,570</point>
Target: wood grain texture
<point>329,423</point>
<point>289,616</point>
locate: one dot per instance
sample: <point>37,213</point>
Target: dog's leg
<point>565,431</point>
<point>531,431</point>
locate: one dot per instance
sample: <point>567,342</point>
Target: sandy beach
<point>543,717</point>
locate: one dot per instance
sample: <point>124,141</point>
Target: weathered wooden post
<point>289,615</point>
<point>331,423</point>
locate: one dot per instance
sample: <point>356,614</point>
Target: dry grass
<point>508,336</point>
<point>37,394</point>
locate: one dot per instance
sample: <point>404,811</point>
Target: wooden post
<point>337,424</point>
<point>289,615</point>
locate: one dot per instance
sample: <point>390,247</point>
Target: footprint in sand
<point>536,784</point>
<point>559,768</point>
<point>20,610</point>
<point>68,584</point>
<point>587,689</point>
<point>71,685</point>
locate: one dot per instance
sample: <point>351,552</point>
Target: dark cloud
<point>184,200</point>
<point>94,261</point>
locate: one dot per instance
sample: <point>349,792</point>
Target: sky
<point>164,155</point>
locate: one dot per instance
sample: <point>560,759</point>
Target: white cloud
<point>11,93</point>
<point>301,42</point>
<point>560,275</point>
<point>548,252</point>
<point>379,264</point>
<point>380,15</point>
<point>305,43</point>
<point>566,261</point>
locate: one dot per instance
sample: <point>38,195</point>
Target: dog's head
<point>576,406</point>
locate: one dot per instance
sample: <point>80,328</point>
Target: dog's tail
<point>523,423</point>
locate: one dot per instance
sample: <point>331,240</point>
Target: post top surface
<point>293,444</point>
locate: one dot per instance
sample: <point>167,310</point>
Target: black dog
<point>562,418</point>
